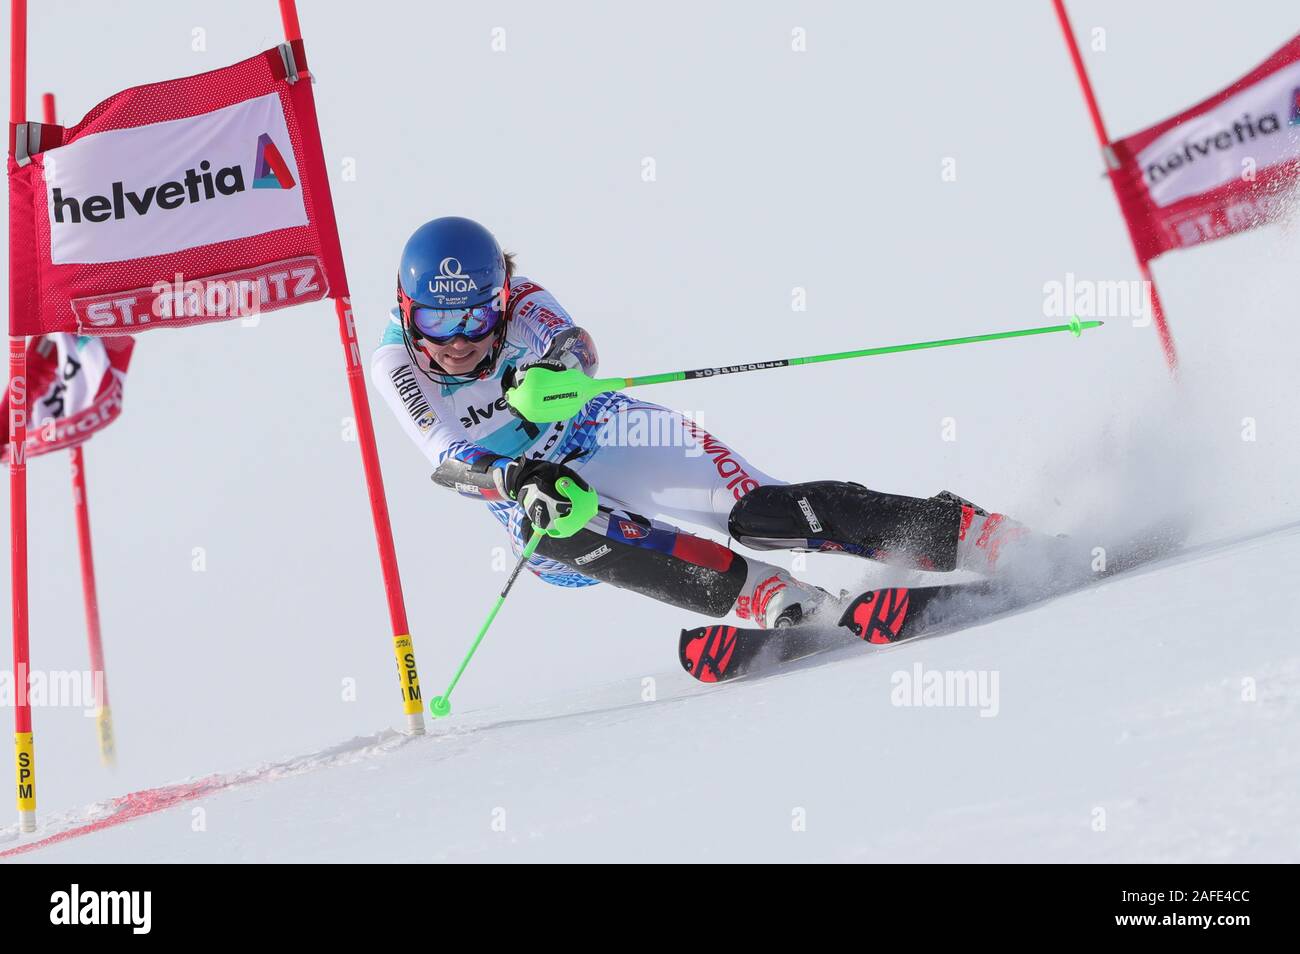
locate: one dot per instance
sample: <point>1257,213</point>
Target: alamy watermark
<point>79,906</point>
<point>946,688</point>
<point>1097,299</point>
<point>53,689</point>
<point>652,427</point>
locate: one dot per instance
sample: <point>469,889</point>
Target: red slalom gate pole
<point>403,648</point>
<point>24,750</point>
<point>289,17</point>
<point>90,593</point>
<point>1099,126</point>
<point>103,716</point>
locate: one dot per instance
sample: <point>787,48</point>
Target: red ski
<point>721,652</point>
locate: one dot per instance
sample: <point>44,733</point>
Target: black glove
<point>533,484</point>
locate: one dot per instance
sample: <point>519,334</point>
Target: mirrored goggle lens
<point>446,323</point>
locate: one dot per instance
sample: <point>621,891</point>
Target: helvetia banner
<point>74,388</point>
<point>178,203</point>
<point>1228,164</point>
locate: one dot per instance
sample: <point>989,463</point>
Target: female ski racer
<point>467,327</point>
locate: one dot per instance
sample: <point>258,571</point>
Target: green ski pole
<point>549,395</point>
<point>584,508</point>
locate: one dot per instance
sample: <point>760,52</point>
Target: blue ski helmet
<point>452,262</point>
<point>452,270</point>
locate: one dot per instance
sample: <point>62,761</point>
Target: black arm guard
<point>479,479</point>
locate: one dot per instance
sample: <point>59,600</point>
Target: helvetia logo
<point>270,171</point>
<point>198,185</point>
<point>1244,129</point>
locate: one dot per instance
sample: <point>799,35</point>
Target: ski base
<point>888,615</point>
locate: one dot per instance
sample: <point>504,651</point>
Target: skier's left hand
<point>533,484</point>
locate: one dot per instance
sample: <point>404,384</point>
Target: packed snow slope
<point>1153,718</point>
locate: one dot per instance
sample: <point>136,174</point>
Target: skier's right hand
<point>514,377</point>
<point>571,349</point>
<point>533,484</point>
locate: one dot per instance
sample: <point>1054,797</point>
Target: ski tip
<point>878,616</point>
<point>706,652</point>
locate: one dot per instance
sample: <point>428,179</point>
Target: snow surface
<point>1126,698</point>
<point>242,607</point>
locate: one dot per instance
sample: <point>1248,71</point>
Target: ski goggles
<point>440,325</point>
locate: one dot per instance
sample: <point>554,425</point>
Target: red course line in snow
<point>127,808</point>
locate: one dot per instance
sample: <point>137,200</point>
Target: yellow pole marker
<point>409,679</point>
<point>25,764</point>
<point>107,742</point>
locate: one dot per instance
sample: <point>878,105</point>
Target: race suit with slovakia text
<point>642,459</point>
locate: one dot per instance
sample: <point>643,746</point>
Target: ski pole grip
<point>584,508</point>
<point>546,395</point>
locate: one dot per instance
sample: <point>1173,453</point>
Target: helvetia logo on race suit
<point>165,187</point>
<point>408,390</point>
<point>477,415</point>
